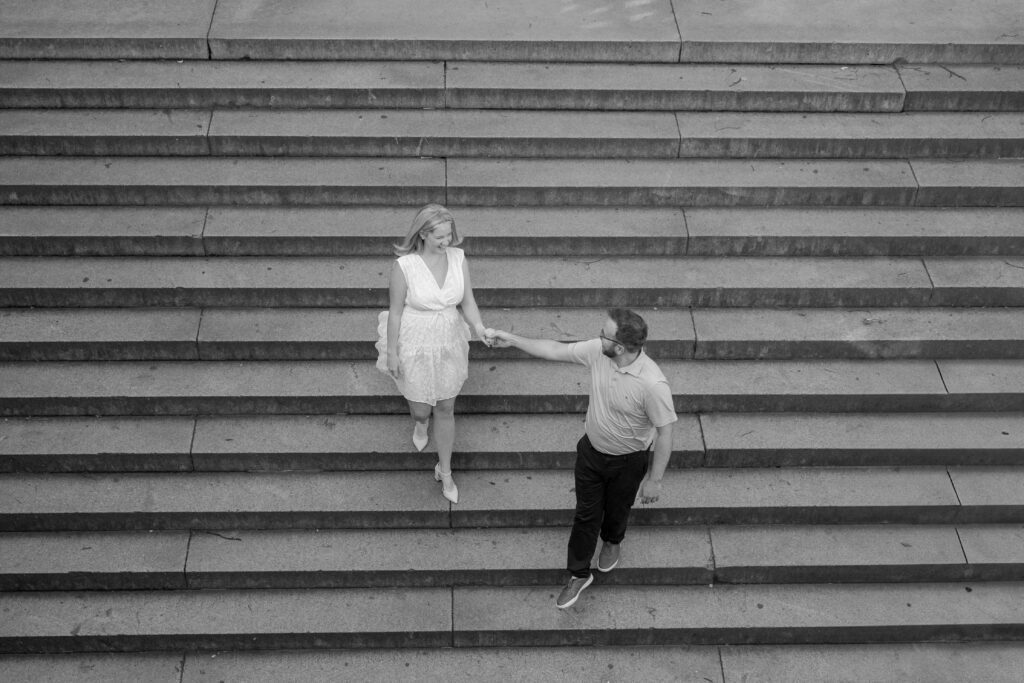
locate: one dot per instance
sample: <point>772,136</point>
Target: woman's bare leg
<point>444,432</point>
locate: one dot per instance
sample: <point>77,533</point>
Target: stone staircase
<point>204,478</point>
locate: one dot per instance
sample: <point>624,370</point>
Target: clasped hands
<point>493,338</point>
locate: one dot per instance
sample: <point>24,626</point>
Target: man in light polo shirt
<point>630,408</point>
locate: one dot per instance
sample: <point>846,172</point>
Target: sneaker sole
<point>605,570</point>
<point>578,594</point>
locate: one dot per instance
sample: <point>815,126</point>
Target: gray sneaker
<point>571,593</point>
<point>608,558</point>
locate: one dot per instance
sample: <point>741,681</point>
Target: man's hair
<point>630,328</point>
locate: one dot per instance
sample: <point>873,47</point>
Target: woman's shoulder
<point>456,253</point>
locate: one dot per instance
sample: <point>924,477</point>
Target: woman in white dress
<point>423,342</point>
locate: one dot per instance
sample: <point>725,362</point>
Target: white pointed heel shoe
<point>419,435</point>
<point>448,488</point>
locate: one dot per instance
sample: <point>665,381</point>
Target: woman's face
<point>439,238</point>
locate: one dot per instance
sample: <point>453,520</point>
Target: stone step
<point>547,231</point>
<point>481,133</point>
<point>582,281</point>
<point>950,662</point>
<point>932,87</point>
<point>500,387</point>
<point>509,498</point>
<point>473,617</point>
<point>799,33</point>
<point>483,442</point>
<point>396,558</point>
<point>93,334</point>
<point>201,181</point>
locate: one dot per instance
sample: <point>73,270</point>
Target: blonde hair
<point>428,218</point>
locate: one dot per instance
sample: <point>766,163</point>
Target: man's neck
<point>627,358</point>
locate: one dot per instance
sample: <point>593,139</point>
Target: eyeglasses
<point>613,341</point>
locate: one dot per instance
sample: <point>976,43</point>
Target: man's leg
<point>619,496</point>
<point>590,503</point>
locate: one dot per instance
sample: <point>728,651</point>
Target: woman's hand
<point>393,366</point>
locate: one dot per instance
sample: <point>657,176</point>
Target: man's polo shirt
<point>627,404</point>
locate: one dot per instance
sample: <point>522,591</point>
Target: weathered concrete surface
<point>327,387</point>
<point>794,439</point>
<point>672,88</point>
<point>333,334</point>
<point>111,561</point>
<point>970,282</point>
<point>985,384</point>
<point>106,133</point>
<point>511,30</point>
<point>95,668</point>
<point>855,231</point>
<point>868,333</point>
<point>995,87</point>
<point>504,231</point>
<point>571,281</point>
<point>205,84</point>
<point>69,502</point>
<point>444,133</point>
<point>201,181</point>
<point>837,554</point>
<point>104,29</point>
<point>469,665</point>
<point>737,614</point>
<point>98,334</point>
<point>850,136</point>
<point>216,620</point>
<point>947,182</point>
<point>405,558</point>
<point>996,494</point>
<point>109,444</point>
<point>995,552</point>
<point>691,182</point>
<point>382,442</point>
<point>101,231</point>
<point>709,496</point>
<point>871,32</point>
<point>888,663</point>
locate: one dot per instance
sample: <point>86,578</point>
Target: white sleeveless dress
<point>433,341</point>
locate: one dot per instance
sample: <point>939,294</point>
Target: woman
<point>423,342</point>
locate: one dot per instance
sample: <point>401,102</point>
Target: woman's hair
<point>428,218</point>
<point>630,328</point>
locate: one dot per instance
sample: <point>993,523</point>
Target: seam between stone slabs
<point>679,136</point>
<point>206,219</point>
<point>199,350</point>
<point>931,282</point>
<point>714,562</point>
<point>917,183</point>
<point>703,440</point>
<point>209,30</point>
<point>938,369</point>
<point>184,568</point>
<point>961,542</point>
<point>184,658</point>
<point>721,663</point>
<point>693,349</point>
<point>206,139</point>
<point>679,33</point>
<point>955,493</point>
<point>686,221</point>
<point>906,93</point>
<point>192,443</point>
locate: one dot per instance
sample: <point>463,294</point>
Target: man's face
<point>609,346</point>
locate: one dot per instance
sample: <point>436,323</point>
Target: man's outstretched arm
<point>548,349</point>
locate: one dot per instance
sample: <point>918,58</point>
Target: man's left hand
<point>650,491</point>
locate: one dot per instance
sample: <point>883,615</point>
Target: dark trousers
<point>606,486</point>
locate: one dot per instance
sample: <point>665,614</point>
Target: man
<point>630,407</point>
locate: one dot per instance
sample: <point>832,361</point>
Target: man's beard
<point>609,352</point>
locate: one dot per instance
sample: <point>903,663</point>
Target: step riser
<point>308,146</point>
<point>214,521</point>
<point>48,406</point>
<point>298,351</point>
<point>185,98</point>
<point>530,638</point>
<point>223,196</point>
<point>58,245</point>
<point>520,298</point>
<point>964,101</point>
<point>464,461</point>
<point>650,576</point>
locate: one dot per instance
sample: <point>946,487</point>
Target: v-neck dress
<point>433,341</point>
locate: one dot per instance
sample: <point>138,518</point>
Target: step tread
<point>776,386</point>
<point>818,495</point>
<point>510,615</point>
